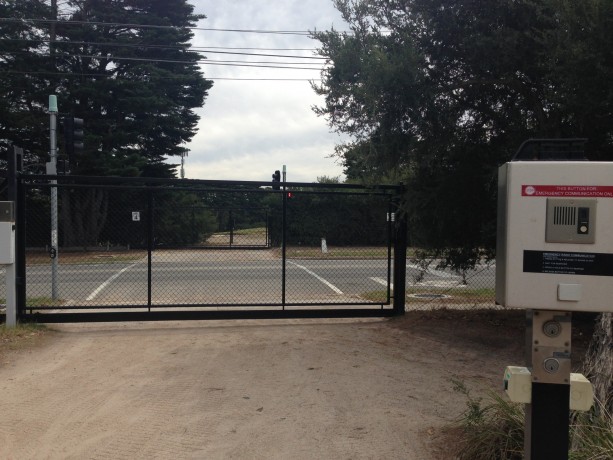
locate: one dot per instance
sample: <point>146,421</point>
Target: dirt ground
<point>299,389</point>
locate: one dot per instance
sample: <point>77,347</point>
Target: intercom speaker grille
<point>564,215</point>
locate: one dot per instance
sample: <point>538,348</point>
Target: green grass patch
<point>85,257</point>
<point>457,293</point>
<point>43,302</point>
<point>294,252</point>
<point>39,302</point>
<point>374,296</point>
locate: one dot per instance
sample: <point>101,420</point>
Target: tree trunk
<point>598,364</point>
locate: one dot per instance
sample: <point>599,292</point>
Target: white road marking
<point>93,295</point>
<point>315,275</point>
<point>383,282</point>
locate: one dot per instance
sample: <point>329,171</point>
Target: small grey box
<point>7,211</point>
<point>571,220</point>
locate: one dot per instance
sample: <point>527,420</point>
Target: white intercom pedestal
<point>554,255</point>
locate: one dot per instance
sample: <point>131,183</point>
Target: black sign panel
<point>568,263</point>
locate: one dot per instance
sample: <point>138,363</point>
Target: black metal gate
<point>159,249</point>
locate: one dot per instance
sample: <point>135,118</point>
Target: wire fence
<point>431,287</point>
<point>155,247</point>
<point>426,289</point>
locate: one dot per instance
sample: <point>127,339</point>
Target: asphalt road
<point>220,281</point>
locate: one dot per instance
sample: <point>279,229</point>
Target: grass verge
<point>98,257</point>
<point>296,252</point>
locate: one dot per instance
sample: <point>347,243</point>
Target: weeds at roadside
<point>592,434</point>
<point>493,429</point>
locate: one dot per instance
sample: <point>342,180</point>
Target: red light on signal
<point>290,195</point>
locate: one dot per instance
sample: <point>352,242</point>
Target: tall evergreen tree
<point>122,65</point>
<point>23,56</point>
<point>125,67</point>
<point>128,71</point>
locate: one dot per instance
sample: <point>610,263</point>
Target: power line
<point>175,61</point>
<point>258,49</point>
<point>170,47</point>
<point>170,77</point>
<point>263,62</point>
<point>152,26</point>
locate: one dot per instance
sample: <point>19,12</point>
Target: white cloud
<point>250,128</point>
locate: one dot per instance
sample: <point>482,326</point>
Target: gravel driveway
<point>285,389</point>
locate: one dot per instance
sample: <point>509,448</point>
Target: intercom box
<point>7,233</point>
<point>555,235</point>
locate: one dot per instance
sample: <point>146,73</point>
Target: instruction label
<point>578,191</point>
<point>568,263</point>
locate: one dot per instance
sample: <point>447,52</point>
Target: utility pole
<point>52,170</point>
<point>52,165</point>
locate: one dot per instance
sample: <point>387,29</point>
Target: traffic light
<point>276,180</point>
<point>290,195</point>
<point>73,135</point>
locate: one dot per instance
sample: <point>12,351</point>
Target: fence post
<point>400,259</point>
<point>283,245</point>
<point>150,244</point>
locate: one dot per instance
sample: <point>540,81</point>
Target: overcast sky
<point>250,128</point>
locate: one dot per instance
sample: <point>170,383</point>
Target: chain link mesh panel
<point>338,248</point>
<point>431,286</point>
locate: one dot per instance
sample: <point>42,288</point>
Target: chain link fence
<point>240,246</point>
<point>431,286</point>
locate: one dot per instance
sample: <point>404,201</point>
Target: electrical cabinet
<point>7,233</point>
<point>555,235</point>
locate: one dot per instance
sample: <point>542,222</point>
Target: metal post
<point>150,245</point>
<point>400,262</point>
<point>52,169</point>
<point>20,239</point>
<point>231,224</point>
<point>267,229</point>
<point>546,432</point>
<point>390,240</point>
<point>283,242</point>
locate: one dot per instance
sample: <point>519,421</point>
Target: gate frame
<point>399,239</point>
